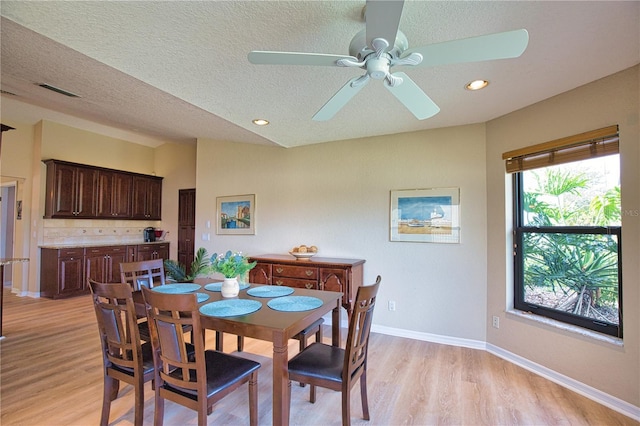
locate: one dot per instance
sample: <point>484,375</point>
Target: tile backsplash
<point>99,232</point>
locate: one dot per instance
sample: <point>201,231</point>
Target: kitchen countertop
<point>83,245</point>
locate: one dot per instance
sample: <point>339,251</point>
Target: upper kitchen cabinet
<point>147,197</point>
<point>85,192</point>
<point>114,195</point>
<point>71,191</point>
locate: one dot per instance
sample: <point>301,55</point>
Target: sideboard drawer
<point>297,283</point>
<point>304,272</point>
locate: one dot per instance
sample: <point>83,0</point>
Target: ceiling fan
<point>381,46</point>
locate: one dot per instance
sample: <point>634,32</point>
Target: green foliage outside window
<point>570,256</point>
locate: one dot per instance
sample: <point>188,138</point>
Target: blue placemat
<point>294,303</point>
<point>270,291</point>
<point>218,286</point>
<point>202,297</point>
<point>230,308</point>
<point>178,288</point>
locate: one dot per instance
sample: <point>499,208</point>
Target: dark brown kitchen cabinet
<point>71,191</point>
<point>114,195</point>
<point>87,192</point>
<point>147,197</point>
<point>62,272</point>
<point>102,264</point>
<point>152,251</point>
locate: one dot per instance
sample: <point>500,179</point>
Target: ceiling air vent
<point>58,90</point>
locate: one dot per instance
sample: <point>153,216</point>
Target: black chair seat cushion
<point>222,370</point>
<point>320,361</point>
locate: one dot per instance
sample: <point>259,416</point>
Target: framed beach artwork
<point>236,215</point>
<point>425,215</point>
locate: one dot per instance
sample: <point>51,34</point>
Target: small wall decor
<point>236,215</point>
<point>425,215</point>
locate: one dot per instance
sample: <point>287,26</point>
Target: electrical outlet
<point>496,322</point>
<point>392,305</point>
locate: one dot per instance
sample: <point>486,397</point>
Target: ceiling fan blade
<point>413,97</point>
<point>339,100</point>
<point>509,44</point>
<point>383,18</point>
<point>295,58</point>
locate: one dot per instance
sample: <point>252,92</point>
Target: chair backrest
<point>355,357</point>
<point>117,324</point>
<point>167,315</point>
<point>146,273</point>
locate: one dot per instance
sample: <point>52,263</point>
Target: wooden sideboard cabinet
<point>319,273</point>
<point>64,272</point>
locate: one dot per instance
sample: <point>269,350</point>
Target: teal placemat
<point>218,286</point>
<point>202,297</point>
<point>178,288</point>
<point>270,291</point>
<point>294,303</point>
<point>230,308</point>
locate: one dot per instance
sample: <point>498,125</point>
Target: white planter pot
<point>230,287</point>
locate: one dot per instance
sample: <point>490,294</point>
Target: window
<point>567,233</point>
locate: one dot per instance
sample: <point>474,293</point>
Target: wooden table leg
<point>281,383</point>
<point>336,335</point>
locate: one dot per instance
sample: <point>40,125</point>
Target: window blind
<point>595,143</point>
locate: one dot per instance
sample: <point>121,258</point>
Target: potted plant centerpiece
<point>232,265</point>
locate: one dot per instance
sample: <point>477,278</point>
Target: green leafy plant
<point>231,264</point>
<point>199,266</point>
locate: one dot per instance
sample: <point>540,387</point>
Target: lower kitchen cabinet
<point>64,272</point>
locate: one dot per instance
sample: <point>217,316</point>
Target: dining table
<point>270,313</point>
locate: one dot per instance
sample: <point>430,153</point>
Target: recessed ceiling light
<point>477,85</point>
<point>260,122</point>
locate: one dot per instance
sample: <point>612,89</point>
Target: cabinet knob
<point>279,283</point>
<point>279,270</point>
<point>309,286</point>
<point>309,273</point>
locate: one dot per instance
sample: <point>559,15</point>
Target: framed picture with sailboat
<point>429,215</point>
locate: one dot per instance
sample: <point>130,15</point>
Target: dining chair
<point>148,273</point>
<point>124,357</point>
<point>339,369</point>
<point>202,379</point>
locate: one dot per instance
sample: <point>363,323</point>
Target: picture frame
<point>430,215</point>
<point>235,215</point>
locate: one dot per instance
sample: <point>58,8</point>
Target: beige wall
<point>336,196</point>
<point>612,369</point>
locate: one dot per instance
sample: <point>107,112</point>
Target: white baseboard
<point>596,395</point>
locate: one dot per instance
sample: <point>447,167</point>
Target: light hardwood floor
<point>51,375</point>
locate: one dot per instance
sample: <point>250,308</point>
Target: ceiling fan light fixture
<point>260,122</point>
<point>476,85</point>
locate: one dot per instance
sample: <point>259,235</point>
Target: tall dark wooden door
<point>186,227</point>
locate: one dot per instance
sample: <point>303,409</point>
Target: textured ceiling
<point>178,70</point>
